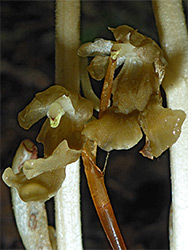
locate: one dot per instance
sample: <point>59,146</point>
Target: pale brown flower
<point>136,97</point>
<point>40,179</point>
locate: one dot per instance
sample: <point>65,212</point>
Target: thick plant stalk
<point>67,209</point>
<point>174,41</point>
<point>67,44</point>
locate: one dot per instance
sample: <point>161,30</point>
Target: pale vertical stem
<point>174,41</point>
<point>68,226</point>
<point>67,44</point>
<point>67,208</point>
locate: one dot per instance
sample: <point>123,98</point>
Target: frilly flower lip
<point>136,97</point>
<point>39,179</point>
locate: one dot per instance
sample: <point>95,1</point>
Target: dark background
<point>139,188</point>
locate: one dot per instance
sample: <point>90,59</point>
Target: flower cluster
<point>136,107</point>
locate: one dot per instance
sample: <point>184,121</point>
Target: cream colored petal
<point>145,47</point>
<point>39,106</point>
<point>98,67</point>
<point>60,158</point>
<point>114,131</point>
<point>162,127</point>
<point>86,85</point>
<point>26,150</point>
<point>98,47</point>
<point>83,109</point>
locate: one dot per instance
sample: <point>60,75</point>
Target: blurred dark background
<point>139,188</point>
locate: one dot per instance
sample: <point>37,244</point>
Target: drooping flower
<point>44,184</point>
<point>40,179</point>
<point>136,97</point>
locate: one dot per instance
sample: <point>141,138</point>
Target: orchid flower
<point>40,179</point>
<point>136,100</point>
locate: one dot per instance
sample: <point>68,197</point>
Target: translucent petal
<point>98,66</point>
<point>162,127</point>
<point>60,158</point>
<point>121,33</point>
<point>145,48</point>
<point>39,106</point>
<point>25,151</point>
<point>86,85</point>
<point>114,131</point>
<point>40,188</point>
<point>83,108</point>
<point>98,47</point>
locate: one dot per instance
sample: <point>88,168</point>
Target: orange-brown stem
<point>107,86</point>
<point>95,179</point>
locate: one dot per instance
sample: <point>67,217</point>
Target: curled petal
<point>114,131</point>
<point>86,85</point>
<point>121,33</point>
<point>162,127</point>
<point>145,47</point>
<point>26,150</point>
<point>98,47</point>
<point>39,106</point>
<point>39,179</point>
<point>98,67</point>
<point>31,218</point>
<point>61,157</point>
<point>40,188</point>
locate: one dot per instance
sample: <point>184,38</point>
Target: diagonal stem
<point>107,86</point>
<point>95,179</point>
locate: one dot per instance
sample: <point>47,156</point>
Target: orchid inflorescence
<point>130,106</point>
<point>137,105</point>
